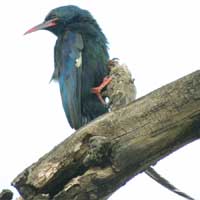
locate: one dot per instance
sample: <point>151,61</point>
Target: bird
<point>81,57</point>
<point>80,60</point>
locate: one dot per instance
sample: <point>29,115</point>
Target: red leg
<point>97,90</point>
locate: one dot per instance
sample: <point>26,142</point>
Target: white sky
<point>160,42</point>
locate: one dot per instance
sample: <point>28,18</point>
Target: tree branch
<point>102,156</point>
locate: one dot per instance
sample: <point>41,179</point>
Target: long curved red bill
<point>46,24</point>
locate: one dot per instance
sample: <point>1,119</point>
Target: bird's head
<point>64,18</point>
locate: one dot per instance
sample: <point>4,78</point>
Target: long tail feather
<point>161,180</point>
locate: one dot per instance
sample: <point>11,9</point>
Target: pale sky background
<point>158,39</point>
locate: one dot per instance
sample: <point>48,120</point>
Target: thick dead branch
<point>102,156</point>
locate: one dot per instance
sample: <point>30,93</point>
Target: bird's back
<point>95,58</point>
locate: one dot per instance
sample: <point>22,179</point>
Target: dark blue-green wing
<point>68,70</point>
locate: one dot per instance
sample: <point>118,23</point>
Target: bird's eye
<point>53,16</point>
<point>49,17</point>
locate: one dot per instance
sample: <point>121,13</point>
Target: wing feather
<point>68,69</point>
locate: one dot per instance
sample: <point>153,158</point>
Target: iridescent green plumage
<point>80,61</point>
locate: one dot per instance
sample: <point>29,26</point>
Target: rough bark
<point>102,156</point>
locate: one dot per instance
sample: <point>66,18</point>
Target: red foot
<point>97,90</point>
